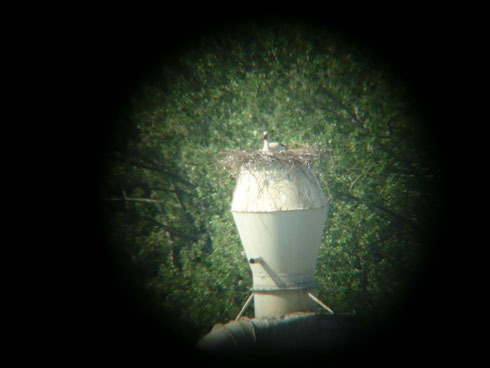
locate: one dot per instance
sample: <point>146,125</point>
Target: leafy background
<point>167,205</point>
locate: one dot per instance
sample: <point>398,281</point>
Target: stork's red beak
<point>265,136</point>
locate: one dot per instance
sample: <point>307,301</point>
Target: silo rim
<point>293,210</point>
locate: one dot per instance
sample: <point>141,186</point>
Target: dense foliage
<point>170,204</point>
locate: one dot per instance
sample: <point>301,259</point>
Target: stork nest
<point>234,160</point>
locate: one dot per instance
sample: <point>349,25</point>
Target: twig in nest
<point>233,160</point>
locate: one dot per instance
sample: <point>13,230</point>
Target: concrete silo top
<point>266,186</point>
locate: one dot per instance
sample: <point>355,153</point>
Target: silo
<point>280,211</point>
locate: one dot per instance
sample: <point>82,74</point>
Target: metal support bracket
<point>319,302</point>
<point>245,306</point>
<point>314,298</point>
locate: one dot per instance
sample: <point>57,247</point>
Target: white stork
<point>272,146</point>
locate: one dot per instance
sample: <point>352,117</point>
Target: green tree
<point>170,204</point>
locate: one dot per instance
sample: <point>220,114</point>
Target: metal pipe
<point>244,306</point>
<point>319,302</point>
<point>304,333</point>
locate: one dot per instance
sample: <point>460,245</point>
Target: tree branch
<point>410,167</point>
<point>353,114</point>
<point>154,167</point>
<point>188,216</point>
<point>150,200</point>
<point>349,197</point>
<point>171,229</point>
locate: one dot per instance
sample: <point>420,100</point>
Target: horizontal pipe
<point>302,332</point>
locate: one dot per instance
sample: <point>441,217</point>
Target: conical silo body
<point>280,211</point>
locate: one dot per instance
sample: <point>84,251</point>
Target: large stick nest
<point>234,160</point>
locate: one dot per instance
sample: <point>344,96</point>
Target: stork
<point>272,146</point>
